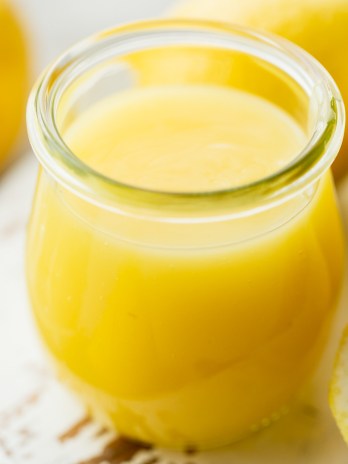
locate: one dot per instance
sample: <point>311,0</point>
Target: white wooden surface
<point>40,422</point>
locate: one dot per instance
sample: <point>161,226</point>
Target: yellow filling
<point>185,334</point>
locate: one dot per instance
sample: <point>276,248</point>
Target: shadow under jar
<point>185,318</point>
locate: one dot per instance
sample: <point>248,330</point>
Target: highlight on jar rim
<point>193,315</point>
<point>327,106</point>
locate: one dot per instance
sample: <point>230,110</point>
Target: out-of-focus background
<point>54,25</point>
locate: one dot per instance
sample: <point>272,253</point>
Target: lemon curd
<point>185,139</point>
<point>195,345</point>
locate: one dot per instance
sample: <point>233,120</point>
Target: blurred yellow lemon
<point>319,26</point>
<point>212,66</point>
<point>13,80</point>
<point>339,387</point>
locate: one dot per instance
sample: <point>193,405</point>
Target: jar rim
<point>66,168</point>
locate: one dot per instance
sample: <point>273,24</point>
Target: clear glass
<point>187,320</point>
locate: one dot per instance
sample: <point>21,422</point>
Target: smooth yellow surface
<point>184,334</point>
<point>183,138</point>
<point>319,26</point>
<point>13,80</point>
<point>339,387</point>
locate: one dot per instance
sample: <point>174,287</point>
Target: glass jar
<point>185,319</point>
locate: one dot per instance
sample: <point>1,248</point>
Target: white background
<point>54,25</point>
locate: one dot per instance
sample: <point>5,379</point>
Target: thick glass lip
<point>74,174</point>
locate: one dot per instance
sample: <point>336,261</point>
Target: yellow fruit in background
<point>319,26</point>
<point>180,64</point>
<point>13,80</point>
<point>339,388</point>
